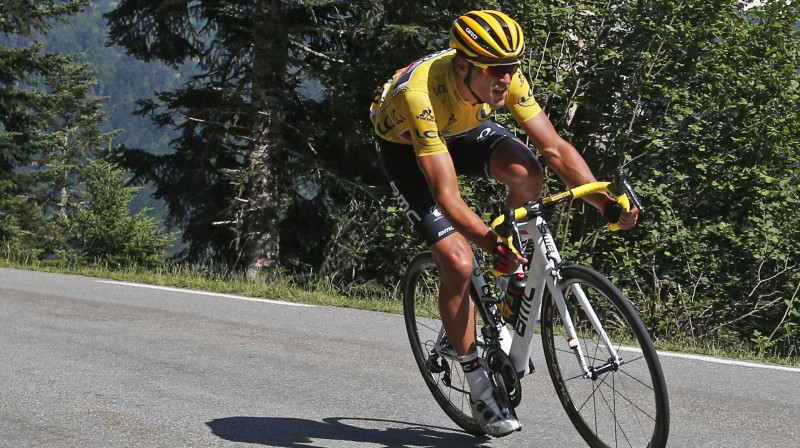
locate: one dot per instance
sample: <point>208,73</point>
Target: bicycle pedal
<point>444,349</point>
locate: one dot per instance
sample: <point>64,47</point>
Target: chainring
<point>503,376</point>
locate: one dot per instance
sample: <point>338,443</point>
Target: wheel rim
<point>620,407</point>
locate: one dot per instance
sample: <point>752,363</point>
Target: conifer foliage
<point>47,125</point>
<point>230,174</point>
<point>50,128</point>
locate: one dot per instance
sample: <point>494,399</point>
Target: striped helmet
<point>486,35</point>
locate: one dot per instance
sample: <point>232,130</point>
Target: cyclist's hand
<point>628,219</point>
<point>614,213</point>
<point>505,259</point>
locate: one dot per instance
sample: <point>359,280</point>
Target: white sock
<point>479,384</point>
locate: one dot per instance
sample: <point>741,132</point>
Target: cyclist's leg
<point>449,248</point>
<point>472,154</point>
<point>491,150</point>
<point>513,164</point>
<point>453,256</point>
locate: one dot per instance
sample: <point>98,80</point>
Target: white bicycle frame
<point>544,272</point>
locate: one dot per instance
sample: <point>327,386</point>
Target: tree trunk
<point>262,212</point>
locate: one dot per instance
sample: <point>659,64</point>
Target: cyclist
<point>440,106</point>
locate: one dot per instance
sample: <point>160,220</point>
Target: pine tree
<point>102,229</point>
<point>232,171</point>
<point>50,135</point>
<point>43,108</point>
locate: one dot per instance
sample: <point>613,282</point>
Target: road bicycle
<point>598,352</point>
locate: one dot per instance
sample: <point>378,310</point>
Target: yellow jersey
<point>421,105</point>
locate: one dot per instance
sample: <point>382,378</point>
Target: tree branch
<point>307,49</point>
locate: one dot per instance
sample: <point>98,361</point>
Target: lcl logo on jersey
<point>482,115</point>
<point>389,122</point>
<point>425,137</point>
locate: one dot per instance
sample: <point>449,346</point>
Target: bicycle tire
<point>625,406</point>
<point>443,376</point>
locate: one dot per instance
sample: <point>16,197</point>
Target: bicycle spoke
<point>617,426</point>
<point>649,386</point>
<point>621,405</point>
<point>629,401</point>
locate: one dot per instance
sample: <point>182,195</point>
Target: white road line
<point>719,360</point>
<point>213,294</point>
<point>278,302</point>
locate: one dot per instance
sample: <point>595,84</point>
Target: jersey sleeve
<point>425,134</point>
<point>520,101</point>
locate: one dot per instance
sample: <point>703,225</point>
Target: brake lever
<point>623,186</point>
<point>509,229</point>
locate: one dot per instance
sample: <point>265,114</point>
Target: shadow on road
<point>295,432</point>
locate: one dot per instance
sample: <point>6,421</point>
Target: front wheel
<point>621,404</point>
<point>435,357</point>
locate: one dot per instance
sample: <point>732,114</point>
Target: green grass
<point>322,291</point>
<point>739,352</point>
<point>286,288</point>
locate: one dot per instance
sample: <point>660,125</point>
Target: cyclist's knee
<point>454,257</point>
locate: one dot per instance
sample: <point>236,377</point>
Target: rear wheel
<point>620,404</point>
<point>435,357</point>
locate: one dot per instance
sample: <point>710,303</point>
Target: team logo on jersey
<point>484,134</point>
<point>391,120</point>
<point>437,215</point>
<point>404,205</point>
<point>427,115</point>
<point>482,114</point>
<point>430,137</point>
<point>527,100</point>
<point>450,122</point>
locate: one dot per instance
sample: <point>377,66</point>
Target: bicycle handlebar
<point>505,227</point>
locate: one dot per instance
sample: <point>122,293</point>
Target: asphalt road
<point>88,363</point>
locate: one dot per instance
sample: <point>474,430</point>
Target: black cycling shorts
<point>470,153</point>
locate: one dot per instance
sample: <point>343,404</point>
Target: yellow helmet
<point>486,35</point>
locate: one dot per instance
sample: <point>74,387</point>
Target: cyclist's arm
<point>443,183</point>
<point>567,162</point>
<point>437,166</point>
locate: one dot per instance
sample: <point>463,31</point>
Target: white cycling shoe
<point>492,419</point>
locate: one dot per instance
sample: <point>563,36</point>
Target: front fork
<point>573,340</point>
